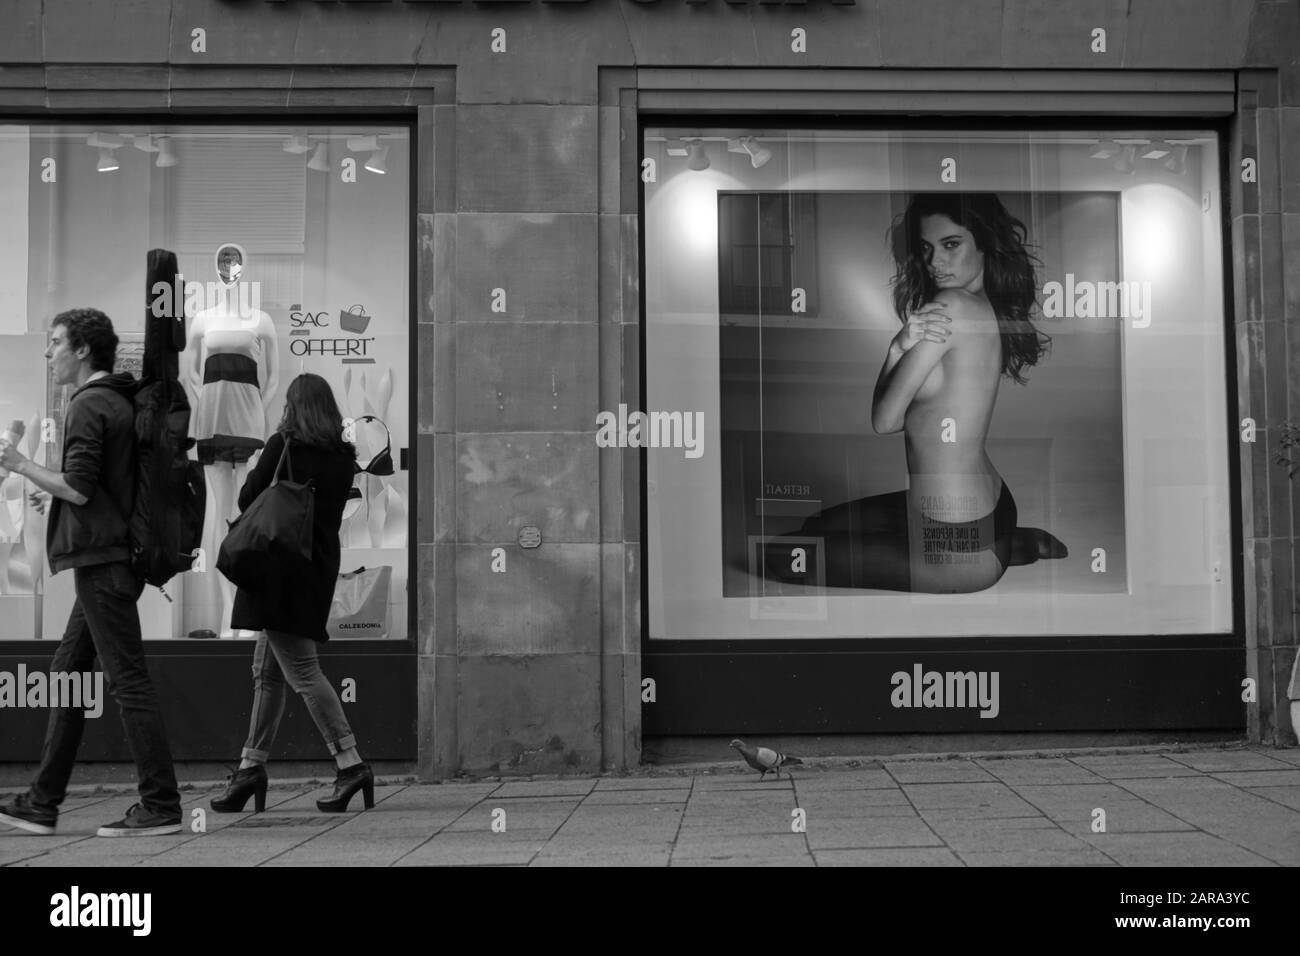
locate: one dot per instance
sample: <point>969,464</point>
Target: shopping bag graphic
<point>360,606</point>
<point>354,319</point>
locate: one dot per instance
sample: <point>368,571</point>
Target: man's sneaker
<point>141,822</point>
<point>19,812</point>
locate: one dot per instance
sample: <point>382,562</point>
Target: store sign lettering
<point>355,347</point>
<point>314,319</point>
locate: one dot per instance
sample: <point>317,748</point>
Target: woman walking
<point>292,619</point>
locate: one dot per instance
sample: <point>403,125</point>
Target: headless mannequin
<point>231,372</point>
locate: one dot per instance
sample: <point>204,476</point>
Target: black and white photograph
<point>649,433</point>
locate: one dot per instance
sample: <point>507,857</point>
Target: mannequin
<point>230,369</point>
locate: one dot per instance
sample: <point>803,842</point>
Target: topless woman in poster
<point>964,290</point>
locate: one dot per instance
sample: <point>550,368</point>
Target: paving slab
<point>446,850</point>
<point>636,797</point>
<point>847,805</point>
<point>518,814</point>
<point>1287,796</point>
<point>745,861</point>
<point>1173,849</point>
<point>749,781</point>
<point>1260,778</point>
<point>694,829</point>
<point>938,771</point>
<point>458,794</point>
<point>986,799</point>
<point>607,856</point>
<point>644,783</point>
<point>110,852</point>
<point>890,856</point>
<point>1072,808</point>
<point>873,833</point>
<point>614,831</point>
<point>1135,766</point>
<point>1051,771</point>
<point>743,844</point>
<point>19,845</point>
<point>845,780</point>
<point>544,788</point>
<point>1029,857</point>
<point>1213,761</point>
<point>1027,834</point>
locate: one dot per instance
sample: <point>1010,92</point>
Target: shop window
<point>1048,457</point>
<point>317,220</point>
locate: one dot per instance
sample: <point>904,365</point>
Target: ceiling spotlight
<point>1105,149</point>
<point>107,161</point>
<point>698,159</point>
<point>319,160</point>
<point>297,145</point>
<point>1177,161</point>
<point>145,144</point>
<point>166,153</point>
<point>377,163</point>
<point>758,155</point>
<point>1126,161</point>
<point>1156,150</point>
<point>677,148</point>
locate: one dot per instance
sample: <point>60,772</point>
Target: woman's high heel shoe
<point>242,784</point>
<point>347,783</point>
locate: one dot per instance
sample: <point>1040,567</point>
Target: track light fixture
<point>107,161</point>
<point>378,161</point>
<point>166,153</point>
<point>758,155</point>
<point>1126,161</point>
<point>698,158</point>
<point>320,159</point>
<point>1177,161</point>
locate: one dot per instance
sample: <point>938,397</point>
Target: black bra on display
<point>381,466</point>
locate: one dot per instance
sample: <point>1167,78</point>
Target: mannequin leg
<point>224,481</point>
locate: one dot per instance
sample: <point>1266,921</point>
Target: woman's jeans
<point>281,658</point>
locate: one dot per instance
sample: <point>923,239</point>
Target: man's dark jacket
<point>99,463</point>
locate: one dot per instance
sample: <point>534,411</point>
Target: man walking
<point>87,531</point>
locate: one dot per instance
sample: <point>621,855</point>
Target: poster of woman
<point>963,278</point>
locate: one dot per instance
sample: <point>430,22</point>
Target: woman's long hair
<point>1009,278</point>
<point>312,416</point>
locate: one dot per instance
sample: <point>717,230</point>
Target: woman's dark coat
<point>303,606</point>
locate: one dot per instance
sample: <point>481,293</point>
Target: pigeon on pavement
<point>764,759</point>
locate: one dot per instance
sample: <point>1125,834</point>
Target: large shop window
<point>315,221</point>
<point>1041,448</point>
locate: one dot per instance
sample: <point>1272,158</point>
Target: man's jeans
<point>105,623</point>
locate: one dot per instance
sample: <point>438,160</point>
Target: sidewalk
<point>1199,807</point>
